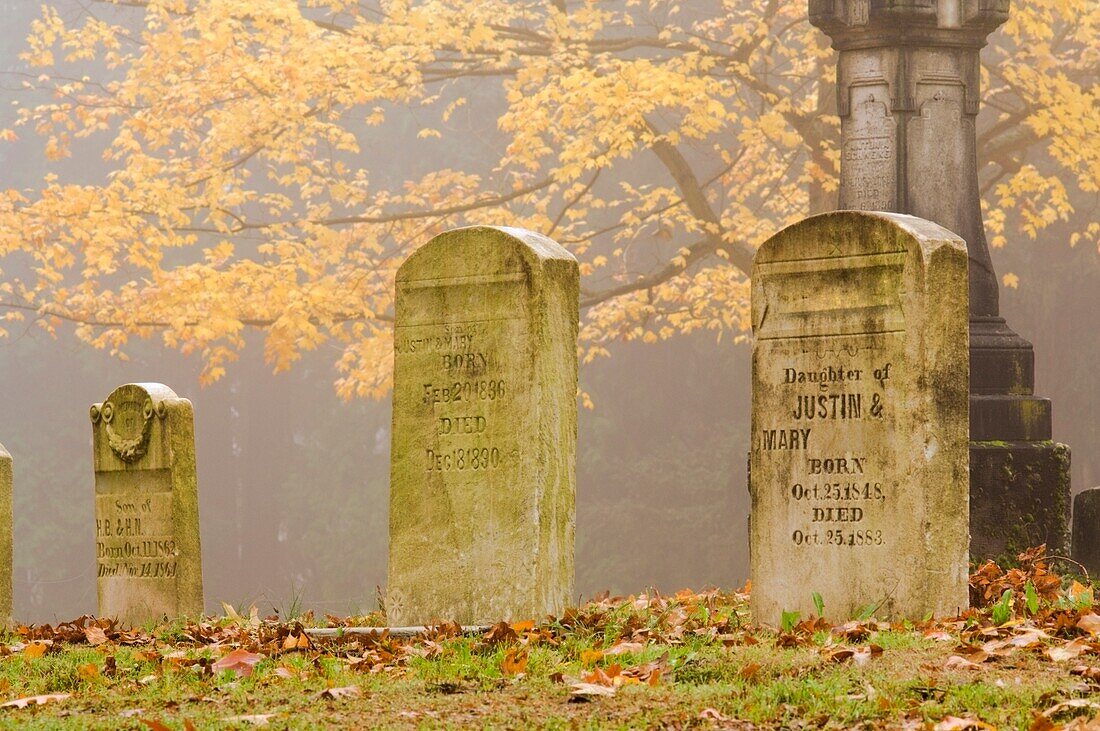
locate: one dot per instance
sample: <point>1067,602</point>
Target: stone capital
<point>932,22</point>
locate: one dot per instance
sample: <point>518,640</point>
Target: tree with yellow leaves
<point>660,141</point>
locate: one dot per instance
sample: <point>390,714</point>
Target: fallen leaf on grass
<point>240,661</point>
<point>36,700</point>
<point>348,691</point>
<point>131,712</point>
<point>954,723</point>
<point>623,648</point>
<point>296,642</point>
<point>1086,671</point>
<point>95,634</point>
<point>37,649</point>
<point>514,662</point>
<point>1090,623</point>
<point>581,692</point>
<point>858,655</point>
<point>1041,723</point>
<point>500,632</point>
<point>1070,705</point>
<point>1068,651</point>
<point>154,725</point>
<point>750,671</point>
<point>256,719</point>
<point>286,673</point>
<point>960,663</point>
<point>88,671</point>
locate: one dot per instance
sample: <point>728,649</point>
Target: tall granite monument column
<point>908,83</point>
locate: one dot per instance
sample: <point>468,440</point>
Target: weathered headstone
<point>5,536</point>
<point>483,483</point>
<point>1086,531</point>
<point>148,561</point>
<point>859,418</point>
<point>908,93</point>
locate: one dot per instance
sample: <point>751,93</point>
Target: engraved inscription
<point>868,162</point>
<point>465,392</point>
<point>134,534</point>
<point>834,482</point>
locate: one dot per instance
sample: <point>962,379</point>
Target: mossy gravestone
<point>859,419</point>
<point>483,484</point>
<point>148,561</point>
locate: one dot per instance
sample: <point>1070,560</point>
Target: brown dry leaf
<point>648,673</point>
<point>1029,637</point>
<point>623,647</point>
<point>604,676</point>
<point>750,671</point>
<point>1090,623</point>
<point>500,632</point>
<point>1071,705</point>
<point>960,663</point>
<point>1041,723</point>
<point>296,642</point>
<point>580,692</point>
<point>256,719</point>
<point>1068,651</point>
<point>1086,671</point>
<point>525,626</point>
<point>88,671</point>
<point>36,649</point>
<point>514,662</point>
<point>1083,724</point>
<point>240,661</point>
<point>348,691</point>
<point>36,700</point>
<point>863,655</point>
<point>95,634</point>
<point>712,714</point>
<point>939,635</point>
<point>854,631</point>
<point>154,725</point>
<point>954,723</point>
<point>284,672</point>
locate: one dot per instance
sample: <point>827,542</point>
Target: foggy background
<point>293,482</point>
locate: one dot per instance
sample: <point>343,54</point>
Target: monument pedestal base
<point>1019,497</point>
<point>1019,477</point>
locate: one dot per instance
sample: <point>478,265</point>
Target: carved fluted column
<point>908,94</point>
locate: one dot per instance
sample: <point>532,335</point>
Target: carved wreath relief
<point>128,425</point>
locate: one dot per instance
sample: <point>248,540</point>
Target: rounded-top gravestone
<point>148,560</point>
<point>858,467</point>
<point>483,484</point>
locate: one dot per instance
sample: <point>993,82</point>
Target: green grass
<point>460,681</point>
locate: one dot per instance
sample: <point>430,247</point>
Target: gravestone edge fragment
<point>1086,531</point>
<point>6,536</point>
